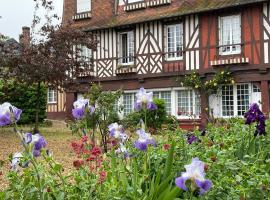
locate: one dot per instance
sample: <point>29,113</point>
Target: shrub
<point>24,96</point>
<point>155,118</point>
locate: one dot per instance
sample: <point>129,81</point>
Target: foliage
<point>54,59</point>
<point>235,161</point>
<point>192,80</point>
<point>223,77</point>
<point>155,118</point>
<point>104,114</point>
<point>24,96</point>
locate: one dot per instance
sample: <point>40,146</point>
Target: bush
<point>155,118</point>
<point>24,97</point>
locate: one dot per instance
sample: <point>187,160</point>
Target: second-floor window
<point>85,53</point>
<point>230,35</point>
<point>174,41</point>
<point>126,48</point>
<point>83,6</point>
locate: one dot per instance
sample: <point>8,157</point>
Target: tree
<point>54,58</point>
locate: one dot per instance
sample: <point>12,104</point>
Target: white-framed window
<point>235,99</point>
<point>126,48</point>
<point>230,35</point>
<point>167,97</point>
<point>188,103</point>
<point>83,6</point>
<point>52,95</point>
<point>174,39</point>
<point>84,53</point>
<point>128,103</point>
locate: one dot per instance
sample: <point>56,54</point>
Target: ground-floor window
<point>167,97</point>
<point>52,95</point>
<point>128,103</point>
<point>180,102</point>
<point>236,99</point>
<point>188,103</point>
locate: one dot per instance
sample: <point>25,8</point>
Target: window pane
<point>52,96</point>
<point>242,99</point>
<point>83,6</point>
<point>166,96</point>
<point>174,40</point>
<point>127,47</point>
<point>128,101</point>
<point>256,88</point>
<point>230,33</point>
<point>124,50</point>
<point>183,102</point>
<point>130,47</point>
<point>227,101</point>
<point>197,104</point>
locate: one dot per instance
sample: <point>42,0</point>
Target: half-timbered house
<point>151,42</point>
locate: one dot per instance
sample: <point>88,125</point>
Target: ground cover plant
<point>231,161</point>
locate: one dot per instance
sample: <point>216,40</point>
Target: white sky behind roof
<point>18,13</point>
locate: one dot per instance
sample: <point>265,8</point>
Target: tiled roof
<point>103,12</point>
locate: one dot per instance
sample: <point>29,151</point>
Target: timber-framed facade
<point>151,42</point>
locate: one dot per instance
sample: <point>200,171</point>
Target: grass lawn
<point>58,138</point>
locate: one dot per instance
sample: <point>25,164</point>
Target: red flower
<point>166,146</point>
<point>78,163</point>
<point>96,151</point>
<point>84,138</point>
<point>102,176</point>
<point>91,158</point>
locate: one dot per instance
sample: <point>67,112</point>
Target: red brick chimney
<point>25,37</point>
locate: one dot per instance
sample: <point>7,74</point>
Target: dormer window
<point>230,35</point>
<point>83,6</point>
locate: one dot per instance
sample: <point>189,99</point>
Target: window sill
<point>174,59</point>
<point>230,53</point>
<point>126,69</point>
<point>79,16</point>
<point>52,103</point>
<point>154,3</point>
<point>135,6</point>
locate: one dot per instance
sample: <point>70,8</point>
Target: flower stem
<point>30,156</point>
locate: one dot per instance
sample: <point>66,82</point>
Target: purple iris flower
<point>27,138</point>
<point>38,142</point>
<point>191,139</point>
<point>122,150</point>
<point>6,115</point>
<point>255,115</point>
<point>144,140</point>
<point>80,108</point>
<point>144,100</point>
<point>117,131</point>
<point>78,113</point>
<point>195,173</point>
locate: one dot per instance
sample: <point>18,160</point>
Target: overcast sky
<point>18,13</point>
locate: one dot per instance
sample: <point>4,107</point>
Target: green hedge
<point>24,97</point>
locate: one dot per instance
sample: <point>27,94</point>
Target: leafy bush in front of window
<point>24,97</point>
<point>155,119</point>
